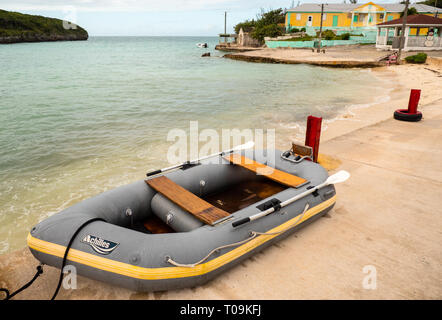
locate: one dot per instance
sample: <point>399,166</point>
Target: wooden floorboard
<point>185,199</point>
<point>269,172</point>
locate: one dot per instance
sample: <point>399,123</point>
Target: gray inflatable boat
<point>184,227</point>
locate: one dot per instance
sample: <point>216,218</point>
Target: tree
<point>410,12</point>
<point>267,24</point>
<point>247,26</point>
<point>354,1</point>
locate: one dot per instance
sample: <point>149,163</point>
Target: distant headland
<point>17,27</point>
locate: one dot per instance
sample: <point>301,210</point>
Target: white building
<point>422,33</point>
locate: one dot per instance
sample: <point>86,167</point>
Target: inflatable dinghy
<point>184,227</point>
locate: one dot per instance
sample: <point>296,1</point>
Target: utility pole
<point>225,22</point>
<point>435,4</point>
<point>320,29</point>
<point>401,39</point>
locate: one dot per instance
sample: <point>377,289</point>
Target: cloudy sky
<point>150,17</point>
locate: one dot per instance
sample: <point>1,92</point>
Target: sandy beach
<point>387,216</point>
<point>403,78</point>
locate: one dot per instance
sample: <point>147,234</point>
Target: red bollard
<point>411,114</point>
<point>415,95</point>
<point>313,135</point>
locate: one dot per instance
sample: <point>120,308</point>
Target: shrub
<point>417,58</point>
<point>327,34</point>
<point>306,38</point>
<point>293,30</point>
<point>303,30</point>
<point>345,36</point>
<point>271,30</point>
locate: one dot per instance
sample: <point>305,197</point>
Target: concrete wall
<point>245,40</point>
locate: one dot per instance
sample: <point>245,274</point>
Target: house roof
<point>417,19</point>
<point>348,7</point>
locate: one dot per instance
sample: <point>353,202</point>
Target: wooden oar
<point>245,146</point>
<point>338,177</point>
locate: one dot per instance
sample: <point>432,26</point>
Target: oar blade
<point>338,177</point>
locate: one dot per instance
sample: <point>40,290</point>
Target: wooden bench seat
<point>276,175</point>
<point>186,200</point>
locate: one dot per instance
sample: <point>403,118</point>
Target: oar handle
<point>152,173</point>
<point>240,222</point>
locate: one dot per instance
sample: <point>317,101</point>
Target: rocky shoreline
<point>324,63</point>
<point>42,38</point>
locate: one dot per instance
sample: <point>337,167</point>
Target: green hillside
<point>18,27</point>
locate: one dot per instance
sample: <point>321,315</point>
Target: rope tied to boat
<point>40,266</point>
<point>10,295</point>
<point>253,234</point>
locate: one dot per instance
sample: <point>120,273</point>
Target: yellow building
<point>348,16</point>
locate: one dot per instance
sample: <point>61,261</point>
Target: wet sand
<point>387,216</point>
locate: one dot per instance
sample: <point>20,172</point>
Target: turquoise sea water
<point>79,118</point>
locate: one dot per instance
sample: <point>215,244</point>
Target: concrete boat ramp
<point>351,56</point>
<point>381,241</point>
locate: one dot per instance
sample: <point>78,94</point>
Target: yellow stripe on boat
<point>167,272</point>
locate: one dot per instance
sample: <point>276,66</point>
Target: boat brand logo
<point>100,245</point>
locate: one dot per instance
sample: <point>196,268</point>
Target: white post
<point>352,18</point>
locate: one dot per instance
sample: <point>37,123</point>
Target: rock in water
<point>207,54</point>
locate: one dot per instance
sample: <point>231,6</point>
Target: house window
<point>324,17</point>
<point>298,16</point>
<point>389,18</point>
<point>381,16</point>
<point>355,18</point>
